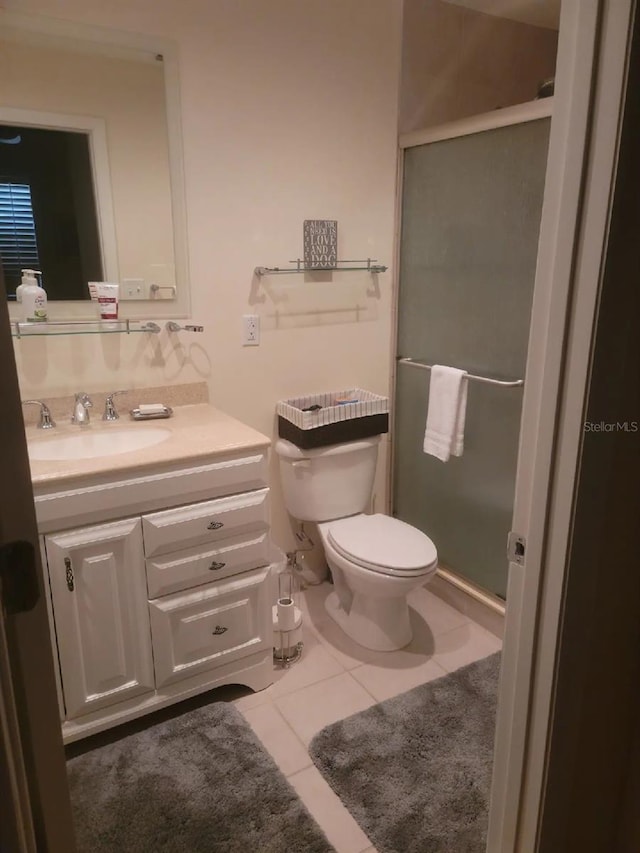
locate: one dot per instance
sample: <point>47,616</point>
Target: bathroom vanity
<point>158,561</point>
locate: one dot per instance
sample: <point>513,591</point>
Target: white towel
<point>444,433</point>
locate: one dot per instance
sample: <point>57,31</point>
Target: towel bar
<point>505,383</point>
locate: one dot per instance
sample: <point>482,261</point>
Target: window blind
<point>18,244</point>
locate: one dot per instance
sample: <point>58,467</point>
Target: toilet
<point>375,560</point>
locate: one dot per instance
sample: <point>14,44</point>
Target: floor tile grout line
<point>297,737</point>
<point>433,658</point>
<point>312,683</point>
<point>369,843</point>
<point>364,687</point>
<point>279,713</point>
<point>315,683</point>
<point>394,695</point>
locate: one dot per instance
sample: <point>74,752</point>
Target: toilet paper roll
<point>286,614</point>
<point>274,619</point>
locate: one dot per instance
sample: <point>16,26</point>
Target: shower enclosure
<point>471,206</point>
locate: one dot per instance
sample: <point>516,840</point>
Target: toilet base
<point>381,624</point>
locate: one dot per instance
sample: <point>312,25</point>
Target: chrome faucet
<point>46,421</point>
<point>81,408</point>
<point>110,411</point>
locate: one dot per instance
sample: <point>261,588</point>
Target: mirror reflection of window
<point>55,166</point>
<point>18,240</point>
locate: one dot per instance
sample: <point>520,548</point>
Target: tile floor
<point>336,678</point>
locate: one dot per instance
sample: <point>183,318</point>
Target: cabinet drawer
<point>204,522</point>
<point>206,563</point>
<point>211,626</point>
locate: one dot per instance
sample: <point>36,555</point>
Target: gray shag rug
<point>415,770</point>
<point>198,783</point>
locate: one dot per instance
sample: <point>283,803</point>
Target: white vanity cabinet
<point>160,582</point>
<point>100,603</point>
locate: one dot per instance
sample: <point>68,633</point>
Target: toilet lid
<point>382,542</point>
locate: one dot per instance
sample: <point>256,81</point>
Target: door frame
<point>591,73</point>
<point>32,735</point>
<point>16,825</point>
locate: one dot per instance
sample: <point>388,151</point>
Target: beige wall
<point>458,62</point>
<point>289,112</point>
<point>129,96</point>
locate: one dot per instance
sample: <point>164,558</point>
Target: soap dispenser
<point>32,297</point>
<point>28,277</point>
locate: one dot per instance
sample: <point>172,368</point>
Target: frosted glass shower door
<point>470,220</point>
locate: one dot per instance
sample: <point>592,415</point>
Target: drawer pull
<point>219,630</point>
<point>215,525</point>
<point>69,574</point>
<point>214,567</point>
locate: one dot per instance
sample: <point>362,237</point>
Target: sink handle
<point>46,421</point>
<point>110,412</point>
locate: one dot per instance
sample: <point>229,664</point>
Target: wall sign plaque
<point>321,243</point>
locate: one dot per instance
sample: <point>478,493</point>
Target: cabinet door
<point>101,614</point>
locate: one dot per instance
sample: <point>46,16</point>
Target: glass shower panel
<point>470,220</point>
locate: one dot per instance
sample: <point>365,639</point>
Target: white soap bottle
<point>33,298</point>
<point>28,277</point>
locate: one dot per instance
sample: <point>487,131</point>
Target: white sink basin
<point>90,445</point>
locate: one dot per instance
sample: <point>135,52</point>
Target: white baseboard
<point>484,608</point>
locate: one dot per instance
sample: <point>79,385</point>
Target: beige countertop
<point>196,432</point>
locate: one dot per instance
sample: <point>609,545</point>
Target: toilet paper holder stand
<point>287,616</point>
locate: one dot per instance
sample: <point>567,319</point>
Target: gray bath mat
<point>415,771</point>
<point>198,783</point>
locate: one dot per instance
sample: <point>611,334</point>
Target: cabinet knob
<point>214,567</point>
<point>219,629</point>
<point>69,574</point>
<point>215,525</point>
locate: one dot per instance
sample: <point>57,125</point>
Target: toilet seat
<point>383,544</point>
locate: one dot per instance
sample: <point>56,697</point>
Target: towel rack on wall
<point>505,383</point>
<point>368,265</point>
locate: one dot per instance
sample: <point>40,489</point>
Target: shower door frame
<point>505,117</point>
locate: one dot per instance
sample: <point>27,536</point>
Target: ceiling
<point>540,13</point>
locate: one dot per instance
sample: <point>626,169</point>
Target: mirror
<point>48,216</point>
<point>90,165</point>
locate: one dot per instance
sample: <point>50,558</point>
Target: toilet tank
<point>328,482</point>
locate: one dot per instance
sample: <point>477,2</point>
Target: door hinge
<point>516,547</point>
<point>18,577</point>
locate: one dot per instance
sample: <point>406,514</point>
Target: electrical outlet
<point>250,330</point>
<point>133,288</point>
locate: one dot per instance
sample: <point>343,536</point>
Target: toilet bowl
<point>375,560</point>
